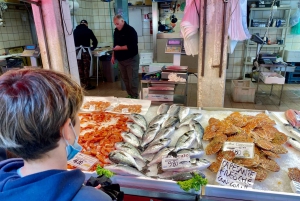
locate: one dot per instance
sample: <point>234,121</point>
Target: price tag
<point>235,176</point>
<point>241,149</point>
<point>125,110</point>
<point>170,162</point>
<point>297,117</point>
<point>83,161</point>
<point>92,107</point>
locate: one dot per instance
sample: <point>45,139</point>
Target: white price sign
<point>83,161</point>
<point>170,162</point>
<point>241,149</point>
<point>236,176</point>
<point>125,110</point>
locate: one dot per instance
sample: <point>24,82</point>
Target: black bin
<point>110,71</point>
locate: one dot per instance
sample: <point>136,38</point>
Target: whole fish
<point>195,164</point>
<point>293,117</point>
<point>150,134</point>
<point>180,176</point>
<point>183,112</point>
<point>139,120</point>
<point>157,147</point>
<point>130,138</point>
<point>166,132</point>
<point>194,153</point>
<point>158,156</point>
<point>294,143</point>
<point>159,119</point>
<point>173,110</point>
<point>171,121</point>
<point>124,170</point>
<point>163,108</point>
<point>184,142</point>
<point>124,146</point>
<point>293,132</point>
<point>189,118</point>
<point>121,157</point>
<point>135,129</point>
<point>197,127</point>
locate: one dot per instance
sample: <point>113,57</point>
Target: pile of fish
<point>146,143</point>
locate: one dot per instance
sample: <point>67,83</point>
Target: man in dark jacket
<point>126,52</point>
<point>82,36</point>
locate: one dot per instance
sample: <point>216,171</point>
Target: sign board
<point>241,149</point>
<point>170,162</point>
<point>83,161</point>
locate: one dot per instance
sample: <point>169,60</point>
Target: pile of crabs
<point>257,129</point>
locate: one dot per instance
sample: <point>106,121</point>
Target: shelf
<point>266,46</point>
<point>271,28</point>
<point>270,8</point>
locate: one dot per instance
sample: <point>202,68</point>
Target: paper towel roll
<point>73,5</point>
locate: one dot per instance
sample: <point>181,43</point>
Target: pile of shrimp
<point>99,133</point>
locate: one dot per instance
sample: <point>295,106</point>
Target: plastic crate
<point>243,91</point>
<point>292,77</point>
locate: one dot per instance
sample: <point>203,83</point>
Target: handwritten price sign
<point>241,149</point>
<point>236,176</point>
<point>170,162</point>
<point>82,161</point>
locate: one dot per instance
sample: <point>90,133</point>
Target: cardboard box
<point>148,2</point>
<point>243,91</point>
<point>291,56</point>
<point>271,78</point>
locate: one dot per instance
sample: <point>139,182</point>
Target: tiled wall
<point>236,59</point>
<point>97,14</point>
<point>15,32</point>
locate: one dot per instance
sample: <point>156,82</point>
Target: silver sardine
<point>159,119</point>
<point>173,110</point>
<point>184,142</point>
<point>130,138</point>
<point>183,112</point>
<point>122,157</point>
<point>124,170</point>
<point>171,121</point>
<point>163,108</point>
<point>136,130</point>
<point>139,120</point>
<point>293,132</point>
<point>197,127</point>
<point>189,118</point>
<point>158,156</point>
<point>166,132</point>
<point>157,147</point>
<point>150,134</point>
<point>127,147</point>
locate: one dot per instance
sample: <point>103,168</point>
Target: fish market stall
<point>159,182</point>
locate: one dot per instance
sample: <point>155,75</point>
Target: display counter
<point>275,187</point>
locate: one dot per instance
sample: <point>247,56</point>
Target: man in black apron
<point>82,36</point>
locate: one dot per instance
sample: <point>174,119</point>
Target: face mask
<point>72,150</point>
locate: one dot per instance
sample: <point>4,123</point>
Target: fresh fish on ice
<point>163,108</point>
<point>182,176</point>
<point>197,127</point>
<point>156,147</point>
<point>163,133</point>
<point>139,120</point>
<point>196,164</point>
<point>293,117</point>
<point>130,138</point>
<point>184,142</point>
<point>293,132</point>
<point>158,156</point>
<point>183,112</point>
<point>124,146</point>
<point>159,119</point>
<point>171,121</point>
<point>194,152</point>
<point>294,143</point>
<point>189,118</point>
<point>121,157</point>
<point>173,110</point>
<point>150,134</point>
<point>124,170</point>
<point>135,129</point>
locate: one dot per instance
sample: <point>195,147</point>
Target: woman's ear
<point>65,130</point>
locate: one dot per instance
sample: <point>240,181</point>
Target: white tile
<point>95,12</point>
<point>1,45</point>
<point>4,37</point>
<point>147,46</point>
<point>146,32</point>
<point>96,25</point>
<point>102,32</point>
<point>141,46</point>
<point>10,36</point>
<point>147,39</point>
<point>6,44</point>
<point>140,39</point>
<point>12,43</point>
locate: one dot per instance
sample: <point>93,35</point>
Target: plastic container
<point>243,91</point>
<point>271,78</point>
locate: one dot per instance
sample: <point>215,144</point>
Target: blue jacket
<point>51,185</point>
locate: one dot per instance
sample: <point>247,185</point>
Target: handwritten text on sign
<point>241,149</point>
<point>236,176</point>
<point>83,161</point>
<point>169,162</point>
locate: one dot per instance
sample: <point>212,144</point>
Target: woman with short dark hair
<point>39,123</point>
